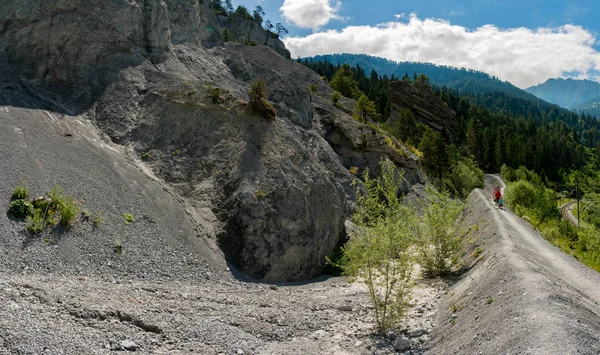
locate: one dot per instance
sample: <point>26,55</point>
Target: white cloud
<point>310,13</point>
<point>522,56</point>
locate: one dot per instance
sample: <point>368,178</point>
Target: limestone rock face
<point>85,43</point>
<point>155,77</point>
<point>425,106</point>
<point>244,28</point>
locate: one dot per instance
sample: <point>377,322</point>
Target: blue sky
<point>525,41</point>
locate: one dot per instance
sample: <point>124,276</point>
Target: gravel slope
<point>523,296</point>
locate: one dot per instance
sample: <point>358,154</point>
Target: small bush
<point>439,236</point>
<point>128,218</point>
<point>259,104</point>
<point>335,98</point>
<point>98,219</point>
<point>215,94</point>
<point>118,246</point>
<point>228,36</point>
<point>69,209</point>
<point>260,194</point>
<point>20,208</point>
<point>353,170</point>
<point>36,223</point>
<point>379,252</point>
<point>21,192</point>
<point>313,88</point>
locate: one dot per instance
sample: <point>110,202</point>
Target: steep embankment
<point>523,295</point>
<point>154,81</point>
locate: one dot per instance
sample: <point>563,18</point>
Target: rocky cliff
<point>155,76</point>
<point>245,29</point>
<point>425,106</point>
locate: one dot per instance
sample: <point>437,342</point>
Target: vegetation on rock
<point>259,104</point>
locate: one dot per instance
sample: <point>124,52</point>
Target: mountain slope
<point>155,80</point>
<point>465,81</point>
<point>577,95</point>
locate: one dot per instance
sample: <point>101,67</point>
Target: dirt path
<point>524,296</point>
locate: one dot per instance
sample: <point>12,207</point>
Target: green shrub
<point>439,237</point>
<point>69,209</point>
<point>313,88</point>
<point>464,177</point>
<point>128,218</point>
<point>98,219</point>
<point>215,94</point>
<point>228,36</point>
<point>21,192</point>
<point>36,223</point>
<point>335,98</point>
<point>379,252</point>
<point>20,208</point>
<point>259,104</point>
<point>521,193</point>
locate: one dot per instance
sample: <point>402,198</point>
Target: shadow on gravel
<point>240,276</point>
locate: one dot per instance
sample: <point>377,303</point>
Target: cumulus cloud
<point>522,56</point>
<point>310,13</point>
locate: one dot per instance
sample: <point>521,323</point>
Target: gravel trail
<point>523,296</point>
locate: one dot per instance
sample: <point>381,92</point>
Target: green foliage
<point>118,246</point>
<point>258,14</point>
<point>21,192</point>
<point>259,104</point>
<point>335,263</point>
<point>343,81</point>
<point>403,125</point>
<point>260,194</point>
<point>249,42</point>
<point>69,209</point>
<point>439,235</point>
<point>379,252</point>
<point>20,208</point>
<point>242,11</point>
<point>128,218</point>
<point>228,36</point>
<point>313,88</point>
<point>335,98</point>
<point>435,153</point>
<point>36,223</point>
<point>464,176</point>
<point>365,108</point>
<point>98,219</point>
<point>47,211</point>
<point>215,94</point>
<point>528,197</point>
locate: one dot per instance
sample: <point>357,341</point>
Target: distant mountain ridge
<point>579,95</point>
<point>465,81</point>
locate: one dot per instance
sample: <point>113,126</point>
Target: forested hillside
<point>461,79</point>
<point>495,128</point>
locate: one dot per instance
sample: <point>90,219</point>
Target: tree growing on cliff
<point>258,14</point>
<point>378,252</point>
<point>280,30</point>
<point>259,104</point>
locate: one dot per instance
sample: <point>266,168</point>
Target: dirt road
<point>523,296</point>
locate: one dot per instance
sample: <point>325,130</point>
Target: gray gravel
<point>522,296</point>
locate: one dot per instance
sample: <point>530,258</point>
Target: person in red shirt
<point>497,195</point>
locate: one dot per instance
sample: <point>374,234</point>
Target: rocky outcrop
<point>424,105</point>
<point>273,194</point>
<point>245,29</point>
<point>79,46</point>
